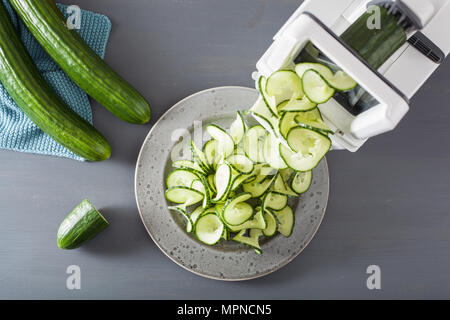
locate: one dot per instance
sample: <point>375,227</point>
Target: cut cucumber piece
<point>324,70</point>
<point>284,85</point>
<point>237,129</point>
<point>184,195</point>
<point>257,222</point>
<point>308,148</point>
<point>181,178</point>
<point>271,152</point>
<point>222,180</point>
<point>316,88</point>
<point>226,143</point>
<point>253,142</point>
<point>275,201</point>
<point>286,221</point>
<point>209,229</point>
<point>187,164</point>
<point>252,240</point>
<point>237,211</point>
<point>270,101</point>
<point>81,225</point>
<point>301,181</point>
<point>241,163</point>
<point>312,120</point>
<point>272,224</point>
<point>257,189</point>
<point>295,105</point>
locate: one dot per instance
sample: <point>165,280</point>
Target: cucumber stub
<point>81,225</point>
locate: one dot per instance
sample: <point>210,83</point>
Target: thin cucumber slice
<point>226,234</point>
<point>316,87</point>
<point>295,105</point>
<point>275,201</point>
<point>253,142</point>
<point>239,180</point>
<point>199,157</point>
<point>287,122</point>
<point>182,209</point>
<point>324,70</point>
<point>240,163</point>
<point>252,240</point>
<point>272,224</point>
<point>312,120</point>
<point>198,212</point>
<point>219,208</point>
<point>261,171</point>
<point>237,211</point>
<point>184,195</point>
<point>270,101</point>
<point>222,180</point>
<point>226,143</point>
<point>211,183</point>
<point>286,221</point>
<point>198,185</point>
<point>209,229</point>
<point>301,182</point>
<point>257,222</point>
<point>286,174</point>
<point>280,186</point>
<point>308,148</point>
<point>284,85</point>
<point>271,152</point>
<point>265,117</point>
<point>341,81</point>
<point>237,129</point>
<point>187,164</point>
<point>257,189</point>
<point>181,178</point>
<point>210,150</point>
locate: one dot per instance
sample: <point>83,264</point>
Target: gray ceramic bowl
<point>229,260</point>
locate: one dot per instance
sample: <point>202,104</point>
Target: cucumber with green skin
<point>80,62</point>
<point>21,78</point>
<point>375,46</point>
<point>81,225</point>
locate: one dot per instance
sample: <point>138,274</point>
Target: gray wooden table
<point>389,203</point>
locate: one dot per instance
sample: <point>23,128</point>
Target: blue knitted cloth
<point>17,132</point>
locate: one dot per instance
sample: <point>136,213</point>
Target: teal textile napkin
<point>17,132</point>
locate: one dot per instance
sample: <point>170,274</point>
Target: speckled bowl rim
<point>283,263</point>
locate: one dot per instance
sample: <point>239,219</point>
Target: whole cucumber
<point>21,78</point>
<point>80,62</point>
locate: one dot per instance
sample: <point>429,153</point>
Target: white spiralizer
<point>321,22</point>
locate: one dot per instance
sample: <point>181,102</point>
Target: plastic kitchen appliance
<point>382,98</point>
